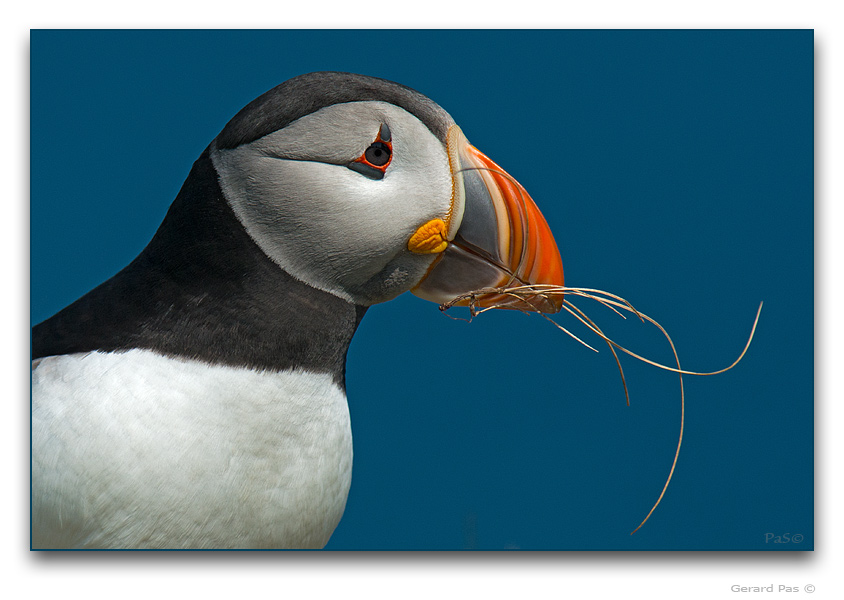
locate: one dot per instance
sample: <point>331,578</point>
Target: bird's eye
<point>378,154</point>
<point>374,161</point>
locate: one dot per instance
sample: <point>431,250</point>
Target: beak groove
<point>497,237</point>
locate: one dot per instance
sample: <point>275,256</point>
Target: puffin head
<point>366,189</point>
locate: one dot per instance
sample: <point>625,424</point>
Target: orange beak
<point>497,237</point>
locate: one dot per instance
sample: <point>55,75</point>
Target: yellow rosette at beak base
<point>430,238</point>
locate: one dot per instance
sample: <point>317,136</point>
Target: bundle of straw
<point>531,298</point>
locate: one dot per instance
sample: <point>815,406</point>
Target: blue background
<point>675,168</point>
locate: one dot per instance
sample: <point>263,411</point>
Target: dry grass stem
<point>531,295</point>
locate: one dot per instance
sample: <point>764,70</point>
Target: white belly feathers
<point>138,450</point>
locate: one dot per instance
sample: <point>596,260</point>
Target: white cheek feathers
<point>328,225</point>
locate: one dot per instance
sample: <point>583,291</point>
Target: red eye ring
<point>379,154</point>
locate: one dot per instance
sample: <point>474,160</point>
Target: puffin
<point>196,400</point>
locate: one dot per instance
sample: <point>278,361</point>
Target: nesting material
<point>529,299</point>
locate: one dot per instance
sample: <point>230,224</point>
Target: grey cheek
<point>397,278</point>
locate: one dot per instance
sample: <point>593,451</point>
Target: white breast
<point>136,450</point>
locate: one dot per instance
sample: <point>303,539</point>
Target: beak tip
<point>500,241</point>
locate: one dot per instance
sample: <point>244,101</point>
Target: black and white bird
<point>197,398</point>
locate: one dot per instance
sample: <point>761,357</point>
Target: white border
<point>488,575</point>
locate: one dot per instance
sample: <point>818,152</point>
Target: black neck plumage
<point>202,289</point>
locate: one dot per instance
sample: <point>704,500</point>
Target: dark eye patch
<point>376,158</point>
